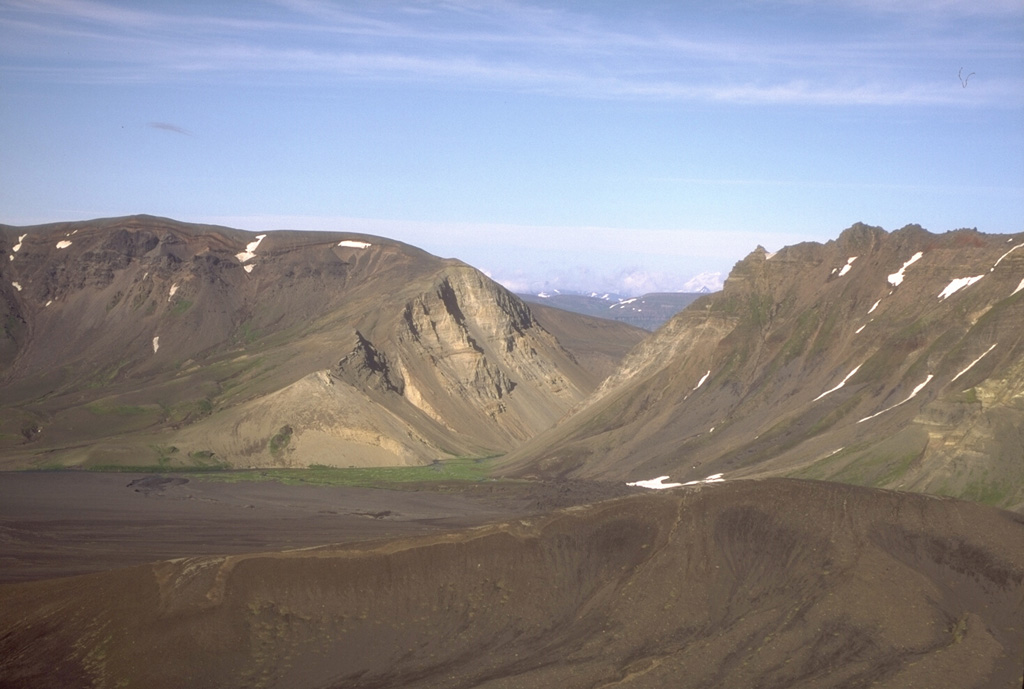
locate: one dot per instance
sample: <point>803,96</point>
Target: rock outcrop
<point>140,340</point>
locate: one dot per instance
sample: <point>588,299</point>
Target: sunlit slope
<point>887,359</point>
<point>769,583</point>
<point>143,340</point>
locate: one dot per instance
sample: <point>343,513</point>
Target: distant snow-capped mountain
<point>647,311</point>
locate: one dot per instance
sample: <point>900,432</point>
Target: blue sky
<point>576,145</point>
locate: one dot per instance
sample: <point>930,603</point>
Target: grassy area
<point>369,477</point>
<point>180,307</point>
<point>461,469</point>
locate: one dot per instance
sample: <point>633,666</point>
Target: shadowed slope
<point>769,583</point>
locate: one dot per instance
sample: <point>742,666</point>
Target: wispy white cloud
<point>922,8</point>
<point>485,45</point>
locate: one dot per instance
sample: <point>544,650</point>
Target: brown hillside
<point>889,359</point>
<point>143,340</point>
<point>770,583</point>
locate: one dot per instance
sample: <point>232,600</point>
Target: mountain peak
<point>879,358</point>
<point>211,339</point>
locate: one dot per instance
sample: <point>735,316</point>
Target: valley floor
<point>65,523</point>
<point>502,584</point>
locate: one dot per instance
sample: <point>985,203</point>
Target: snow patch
<point>704,282</point>
<point>1019,288</point>
<point>353,244</point>
<point>713,478</point>
<point>247,268</point>
<point>704,378</point>
<point>993,265</point>
<point>857,331</point>
<point>912,395</point>
<point>17,286</point>
<point>156,343</point>
<point>48,303</point>
<point>896,278</point>
<point>959,284</point>
<point>841,383</point>
<point>875,306</point>
<point>971,365</point>
<point>250,249</point>
<point>174,288</point>
<point>544,295</point>
<point>655,484</point>
<point>63,244</point>
<point>16,247</point>
<point>849,264</point>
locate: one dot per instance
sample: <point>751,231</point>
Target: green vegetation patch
<point>188,411</point>
<point>825,338</point>
<point>885,462</point>
<point>180,307</point>
<point>280,441</point>
<point>806,325</point>
<point>104,377</point>
<point>987,491</point>
<point>120,409</point>
<point>451,470</point>
<point>205,465</point>
<point>247,333</point>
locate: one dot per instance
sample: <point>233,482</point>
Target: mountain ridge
<point>162,331</point>
<point>804,347</point>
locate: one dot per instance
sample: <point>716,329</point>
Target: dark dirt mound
<point>156,484</point>
<point>771,583</point>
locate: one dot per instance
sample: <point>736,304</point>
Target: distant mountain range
<point>648,311</point>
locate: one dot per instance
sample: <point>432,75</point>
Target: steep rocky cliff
<point>143,340</point>
<point>889,359</point>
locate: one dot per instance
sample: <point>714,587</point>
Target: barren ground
<point>773,583</point>
<point>56,524</point>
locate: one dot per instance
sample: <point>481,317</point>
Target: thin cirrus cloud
<point>498,46</point>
